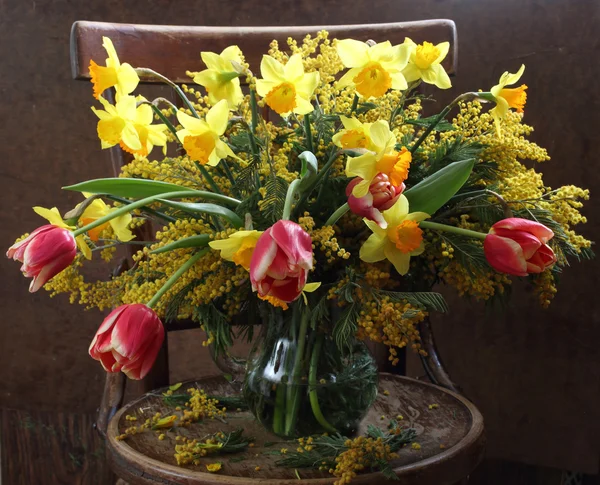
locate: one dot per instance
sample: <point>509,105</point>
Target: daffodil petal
<point>443,47</point>
<point>218,116</point>
<point>263,87</point>
<point>294,69</point>
<point>396,214</point>
<point>353,53</point>
<point>417,216</point>
<point>213,61</point>
<point>380,133</point>
<point>127,79</point>
<point>308,84</point>
<point>232,53</point>
<point>411,73</point>
<point>303,106</point>
<point>398,81</point>
<point>130,137</point>
<point>373,249</point>
<point>193,125</point>
<point>51,215</point>
<point>507,78</point>
<point>271,69</point>
<point>400,260</point>
<point>442,80</point>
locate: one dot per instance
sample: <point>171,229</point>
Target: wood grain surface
<point>451,438</point>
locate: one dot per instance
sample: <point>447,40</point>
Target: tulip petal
<point>262,257</point>
<point>528,242</point>
<point>504,255</point>
<point>294,241</point>
<point>543,233</point>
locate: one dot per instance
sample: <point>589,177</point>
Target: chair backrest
<point>173,50</point>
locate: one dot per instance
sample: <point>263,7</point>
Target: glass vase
<point>298,382</point>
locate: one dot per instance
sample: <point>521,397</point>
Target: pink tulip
<point>44,253</point>
<point>382,195</point>
<point>128,340</point>
<point>518,247</point>
<point>281,260</point>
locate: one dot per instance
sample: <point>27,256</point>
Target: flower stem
<point>175,276</point>
<point>147,200</point>
<point>289,198</point>
<point>208,177</point>
<point>184,98</point>
<point>294,384</point>
<point>440,117</point>
<point>279,412</point>
<point>308,132</point>
<point>456,230</point>
<point>145,209</point>
<point>333,218</point>
<point>312,384</point>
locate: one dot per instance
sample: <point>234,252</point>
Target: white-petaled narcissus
<point>220,79</point>
<point>373,68</point>
<point>507,98</point>
<point>121,76</point>
<point>380,157</point>
<point>402,239</point>
<point>202,138</point>
<point>98,209</point>
<point>238,247</point>
<point>286,88</point>
<point>129,126</point>
<point>425,63</point>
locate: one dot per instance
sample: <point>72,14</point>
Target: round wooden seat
<point>449,433</point>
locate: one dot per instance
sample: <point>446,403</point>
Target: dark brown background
<point>534,374</point>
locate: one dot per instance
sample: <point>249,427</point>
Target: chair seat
<point>450,435</point>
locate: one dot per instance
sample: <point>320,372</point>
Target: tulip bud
<point>518,247</point>
<point>381,196</point>
<point>128,340</point>
<point>281,261</point>
<point>44,253</point>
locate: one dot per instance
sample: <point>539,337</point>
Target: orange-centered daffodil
<point>402,239</point>
<point>287,89</point>
<point>238,247</point>
<point>202,138</point>
<point>98,209</point>
<point>221,79</point>
<point>373,69</point>
<point>380,157</point>
<point>129,126</point>
<point>354,135</point>
<point>122,76</point>
<point>425,63</point>
<point>507,98</point>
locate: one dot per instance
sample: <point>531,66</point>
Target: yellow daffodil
<point>54,218</point>
<point>202,138</point>
<point>122,76</point>
<point>425,63</point>
<point>373,69</point>
<point>98,209</point>
<point>238,247</point>
<point>380,157</point>
<point>507,98</point>
<point>288,88</point>
<point>402,239</point>
<point>354,135</point>
<point>221,80</point>
<point>129,126</point>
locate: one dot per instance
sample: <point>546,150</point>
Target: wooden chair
<point>171,50</point>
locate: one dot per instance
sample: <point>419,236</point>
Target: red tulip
<point>128,340</point>
<point>518,247</point>
<point>381,196</point>
<point>281,260</point>
<point>44,253</point>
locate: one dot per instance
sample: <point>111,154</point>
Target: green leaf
<point>424,299</point>
<point>203,208</point>
<point>443,125</point>
<point>174,387</point>
<point>433,192</point>
<point>126,187</point>
<point>198,241</point>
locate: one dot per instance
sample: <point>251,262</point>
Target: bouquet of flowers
<point>319,201</point>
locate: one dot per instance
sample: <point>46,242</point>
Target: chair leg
<point>112,400</point>
<point>432,363</point>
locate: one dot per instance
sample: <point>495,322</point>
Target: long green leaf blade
<point>198,241</point>
<point>433,192</point>
<point>127,187</point>
<point>202,208</point>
